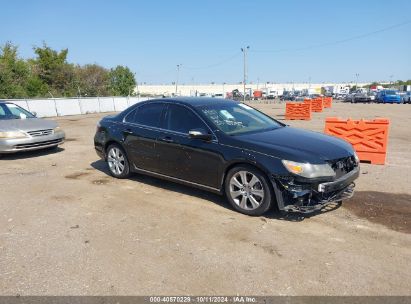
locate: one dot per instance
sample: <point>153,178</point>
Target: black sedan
<point>229,148</point>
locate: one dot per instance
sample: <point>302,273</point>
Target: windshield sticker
<point>226,114</point>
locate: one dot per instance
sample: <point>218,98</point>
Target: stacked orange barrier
<point>297,110</point>
<point>327,101</point>
<point>368,137</point>
<point>316,104</point>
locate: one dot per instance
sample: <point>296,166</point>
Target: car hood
<point>29,124</point>
<point>295,144</point>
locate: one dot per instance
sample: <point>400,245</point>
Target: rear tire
<point>117,161</point>
<point>248,190</point>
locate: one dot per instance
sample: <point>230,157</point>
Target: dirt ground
<point>68,228</point>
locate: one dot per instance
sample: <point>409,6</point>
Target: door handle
<point>128,131</point>
<point>167,139</point>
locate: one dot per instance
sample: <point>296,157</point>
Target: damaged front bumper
<point>306,197</point>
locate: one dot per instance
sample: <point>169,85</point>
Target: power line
<point>334,42</point>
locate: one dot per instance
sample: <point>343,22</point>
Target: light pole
<point>356,82</point>
<point>244,50</point>
<point>178,72</point>
<point>223,90</point>
<point>391,76</point>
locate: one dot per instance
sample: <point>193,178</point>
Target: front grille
<point>343,165</point>
<point>38,144</point>
<point>40,132</point>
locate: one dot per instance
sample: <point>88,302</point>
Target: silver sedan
<point>20,130</point>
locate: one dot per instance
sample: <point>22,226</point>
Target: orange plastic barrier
<point>368,137</point>
<point>327,101</point>
<point>316,104</point>
<point>297,110</point>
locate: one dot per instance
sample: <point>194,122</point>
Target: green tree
<point>52,68</point>
<point>35,87</point>
<point>92,80</point>
<point>14,73</point>
<point>122,81</point>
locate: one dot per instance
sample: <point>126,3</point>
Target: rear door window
<point>148,115</point>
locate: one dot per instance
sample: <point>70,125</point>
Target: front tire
<point>248,190</point>
<point>117,161</point>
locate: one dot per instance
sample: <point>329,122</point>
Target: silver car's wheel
<point>246,190</point>
<point>116,161</point>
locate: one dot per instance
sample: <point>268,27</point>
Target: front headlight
<point>12,135</point>
<point>57,130</point>
<point>357,159</point>
<point>308,170</point>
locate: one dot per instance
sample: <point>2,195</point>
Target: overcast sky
<point>289,40</point>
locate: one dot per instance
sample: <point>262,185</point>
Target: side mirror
<point>200,134</point>
<point>34,113</point>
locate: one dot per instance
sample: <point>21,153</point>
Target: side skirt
<point>177,180</point>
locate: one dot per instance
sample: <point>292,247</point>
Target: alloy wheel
<point>116,161</point>
<point>246,190</point>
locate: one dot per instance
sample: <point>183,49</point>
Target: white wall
<point>75,106</point>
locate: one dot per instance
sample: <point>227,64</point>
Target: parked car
<point>349,97</point>
<point>341,96</point>
<point>372,96</point>
<point>388,96</point>
<point>229,148</point>
<point>21,130</point>
<point>406,98</point>
<point>361,96</point>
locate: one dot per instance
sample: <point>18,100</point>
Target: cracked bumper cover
<point>311,196</point>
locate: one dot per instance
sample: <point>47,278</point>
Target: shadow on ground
<point>215,198</point>
<point>170,186</point>
<point>31,154</point>
<point>390,210</point>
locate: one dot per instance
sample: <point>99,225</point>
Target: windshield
<point>12,111</point>
<point>391,93</point>
<point>239,118</point>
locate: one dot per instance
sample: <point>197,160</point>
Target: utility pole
<point>178,72</point>
<point>244,50</point>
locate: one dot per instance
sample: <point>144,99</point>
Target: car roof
<point>196,101</point>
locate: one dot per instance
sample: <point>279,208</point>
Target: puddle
<point>76,175</point>
<point>388,209</point>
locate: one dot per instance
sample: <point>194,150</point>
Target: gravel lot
<point>68,228</point>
